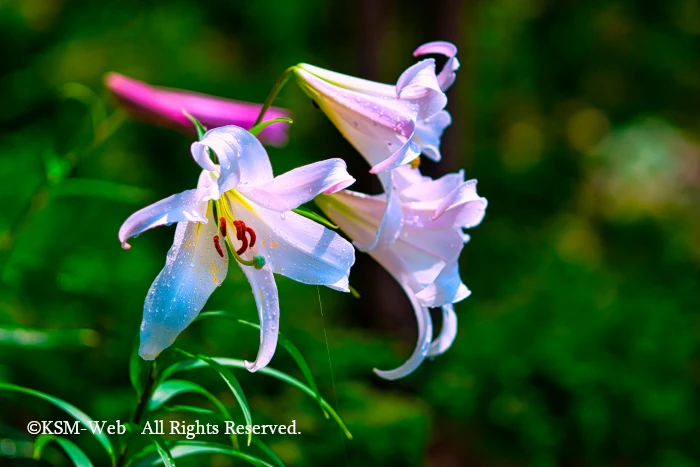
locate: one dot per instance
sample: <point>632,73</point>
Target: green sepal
<point>315,217</point>
<point>201,129</point>
<point>255,131</point>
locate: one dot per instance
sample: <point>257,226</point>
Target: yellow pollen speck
<point>214,269</point>
<point>274,244</point>
<point>264,242</point>
<point>415,163</point>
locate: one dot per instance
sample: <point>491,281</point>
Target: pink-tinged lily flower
<point>423,258</point>
<point>239,208</point>
<point>388,125</point>
<point>165,106</point>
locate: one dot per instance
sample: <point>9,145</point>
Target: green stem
<point>281,81</point>
<point>139,410</point>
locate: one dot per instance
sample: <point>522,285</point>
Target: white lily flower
<point>239,197</point>
<point>389,125</point>
<point>423,258</point>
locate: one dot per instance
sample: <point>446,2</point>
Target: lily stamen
<point>244,246</point>
<point>222,226</point>
<point>217,245</point>
<point>251,232</point>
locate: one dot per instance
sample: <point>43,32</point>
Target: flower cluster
<point>415,229</point>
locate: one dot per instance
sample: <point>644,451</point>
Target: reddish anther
<point>251,232</point>
<point>243,247</point>
<point>239,229</point>
<point>222,226</point>
<point>217,245</point>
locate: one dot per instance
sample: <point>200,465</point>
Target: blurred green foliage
<point>580,343</point>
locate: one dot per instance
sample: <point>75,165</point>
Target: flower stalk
<point>142,403</point>
<point>281,81</point>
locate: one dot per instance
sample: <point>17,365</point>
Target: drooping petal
<point>188,206</point>
<point>446,288</point>
<point>242,159</point>
<point>193,270</point>
<point>405,154</point>
<point>425,335</point>
<point>392,219</point>
<point>419,85</point>
<point>416,187</point>
<point>165,105</point>
<point>462,206</point>
<point>448,332</point>
<point>447,75</point>
<point>264,288</point>
<point>415,258</point>
<point>429,132</point>
<point>378,127</point>
<point>300,185</point>
<point>297,247</point>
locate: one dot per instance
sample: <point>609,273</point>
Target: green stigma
<point>259,262</point>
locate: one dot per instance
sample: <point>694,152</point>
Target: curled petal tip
<point>125,245</point>
<point>436,47</point>
<point>339,186</point>
<point>148,355</point>
<point>252,367</point>
<point>389,375</point>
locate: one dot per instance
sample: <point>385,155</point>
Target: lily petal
<point>188,206</point>
<point>193,270</point>
<point>265,290</point>
<point>350,82</point>
<point>446,288</point>
<point>463,205</point>
<point>447,75</point>
<point>448,332</point>
<point>415,187</point>
<point>425,335</point>
<point>378,127</point>
<point>405,154</point>
<point>299,248</point>
<point>392,218</point>
<point>419,84</point>
<point>429,132</point>
<point>242,159</point>
<point>300,185</point>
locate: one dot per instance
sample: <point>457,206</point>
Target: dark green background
<point>580,344</point>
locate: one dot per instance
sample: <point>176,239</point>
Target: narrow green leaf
<point>70,409</point>
<point>284,342</point>
<point>201,129</point>
<point>75,454</point>
<point>315,217</point>
<point>138,370</point>
<point>217,416</point>
<point>191,409</point>
<point>191,448</point>
<point>255,131</point>
<point>186,365</point>
<point>167,390</point>
<point>230,381</point>
<point>165,455</point>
